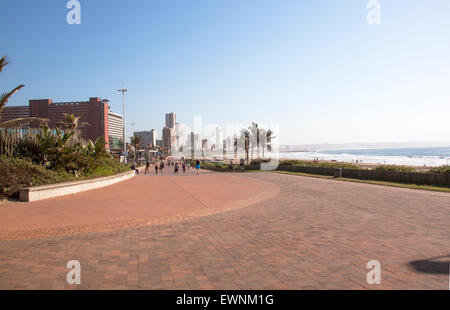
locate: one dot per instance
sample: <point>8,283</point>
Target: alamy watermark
<point>74,275</point>
<point>229,142</point>
<point>374,275</point>
<point>74,15</point>
<point>374,15</point>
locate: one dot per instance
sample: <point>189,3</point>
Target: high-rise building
<point>115,129</point>
<point>168,139</point>
<point>196,144</point>
<point>224,148</point>
<point>181,135</point>
<point>192,143</point>
<point>153,137</point>
<point>206,146</point>
<point>219,139</point>
<point>148,138</point>
<point>171,120</point>
<point>95,112</point>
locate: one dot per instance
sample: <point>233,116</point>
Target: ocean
<point>429,156</point>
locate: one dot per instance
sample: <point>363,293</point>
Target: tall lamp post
<point>136,152</point>
<point>124,91</point>
<point>132,125</point>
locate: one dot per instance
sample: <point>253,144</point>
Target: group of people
<point>176,164</point>
<point>241,165</point>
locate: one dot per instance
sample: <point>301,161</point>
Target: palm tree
<point>71,123</point>
<point>254,138</point>
<point>235,144</point>
<point>244,140</point>
<point>4,99</point>
<point>136,141</point>
<point>266,140</point>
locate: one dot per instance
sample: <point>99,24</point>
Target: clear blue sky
<point>314,67</point>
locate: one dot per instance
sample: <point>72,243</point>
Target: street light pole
<point>124,91</point>
<point>132,124</point>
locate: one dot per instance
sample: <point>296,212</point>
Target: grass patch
<point>304,163</point>
<point>435,188</point>
<point>319,176</point>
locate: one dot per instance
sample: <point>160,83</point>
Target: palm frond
<point>3,62</point>
<point>71,122</point>
<point>5,97</point>
<point>20,121</point>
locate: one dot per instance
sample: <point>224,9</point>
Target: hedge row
<point>382,173</point>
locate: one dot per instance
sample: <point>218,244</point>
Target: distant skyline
<point>316,68</point>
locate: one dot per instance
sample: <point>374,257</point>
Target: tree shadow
<point>434,265</point>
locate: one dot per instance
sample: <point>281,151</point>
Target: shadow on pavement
<point>434,265</point>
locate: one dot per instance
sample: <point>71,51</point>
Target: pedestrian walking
<point>147,167</point>
<point>197,166</point>
<point>231,166</point>
<point>133,167</point>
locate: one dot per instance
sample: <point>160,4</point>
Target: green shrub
<point>303,163</point>
<point>213,166</point>
<point>18,173</point>
<point>394,168</point>
<point>59,150</point>
<point>442,169</point>
<point>259,161</point>
<point>105,166</point>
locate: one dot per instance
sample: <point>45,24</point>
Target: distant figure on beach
<point>197,166</point>
<point>230,165</point>
<point>156,168</point>
<point>147,167</point>
<point>242,164</point>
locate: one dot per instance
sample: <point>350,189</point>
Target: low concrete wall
<point>60,189</point>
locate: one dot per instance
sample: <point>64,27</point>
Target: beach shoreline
<point>420,157</point>
<point>361,164</point>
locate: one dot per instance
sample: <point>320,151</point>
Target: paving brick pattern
<point>141,201</point>
<point>315,234</point>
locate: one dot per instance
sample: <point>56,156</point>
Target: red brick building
<point>95,112</point>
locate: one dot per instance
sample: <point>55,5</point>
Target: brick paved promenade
<point>229,231</point>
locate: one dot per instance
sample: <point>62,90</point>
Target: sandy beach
<point>360,164</point>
